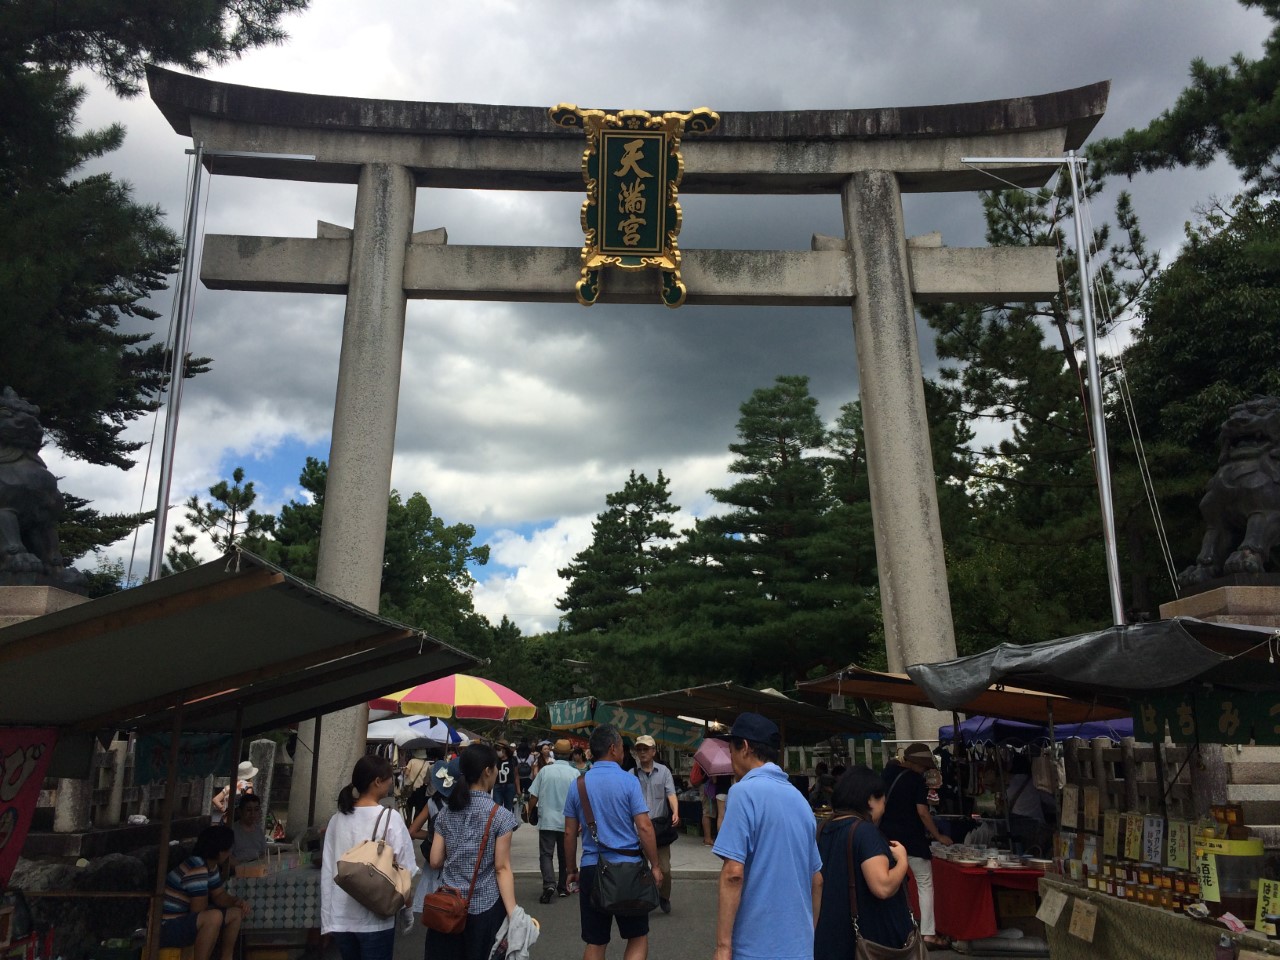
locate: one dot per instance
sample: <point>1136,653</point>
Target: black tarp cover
<point>1114,665</point>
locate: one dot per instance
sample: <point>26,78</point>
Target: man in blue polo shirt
<point>622,824</point>
<point>771,880</point>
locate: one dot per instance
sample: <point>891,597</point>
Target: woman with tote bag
<point>358,932</point>
<point>472,851</point>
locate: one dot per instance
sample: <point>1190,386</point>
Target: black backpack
<point>524,769</point>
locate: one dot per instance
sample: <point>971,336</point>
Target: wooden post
<point>1097,745</point>
<point>154,915</point>
<point>1129,767</point>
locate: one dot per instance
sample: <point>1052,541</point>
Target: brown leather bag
<point>864,949</point>
<point>445,911</point>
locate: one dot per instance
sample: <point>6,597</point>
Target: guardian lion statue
<point>30,504</point>
<point>1242,507</point>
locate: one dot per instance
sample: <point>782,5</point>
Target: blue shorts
<point>596,924</point>
<point>181,931</point>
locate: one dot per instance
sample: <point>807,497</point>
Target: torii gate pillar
<point>354,531</point>
<point>904,499</point>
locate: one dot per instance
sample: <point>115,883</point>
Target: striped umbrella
<point>459,696</point>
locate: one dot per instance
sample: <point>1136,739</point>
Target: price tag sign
<point>1207,868</point>
<point>1084,918</point>
<point>1092,804</point>
<point>1152,839</point>
<point>1178,849</point>
<point>1111,833</point>
<point>1268,900</point>
<point>1070,807</point>
<point>1133,836</point>
<point>1051,907</point>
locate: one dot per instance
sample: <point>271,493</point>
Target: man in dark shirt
<point>907,820</point>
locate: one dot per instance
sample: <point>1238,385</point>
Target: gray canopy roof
<point>1114,665</point>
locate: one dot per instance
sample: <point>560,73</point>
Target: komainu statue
<point>30,503</point>
<point>1242,508</point>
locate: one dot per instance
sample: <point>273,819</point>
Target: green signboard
<point>666,730</point>
<point>1212,716</point>
<point>632,169</point>
<point>571,714</point>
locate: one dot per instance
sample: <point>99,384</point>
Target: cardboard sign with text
<point>1084,919</point>
<point>1111,833</point>
<point>1178,852</point>
<point>1070,818</point>
<point>1268,900</point>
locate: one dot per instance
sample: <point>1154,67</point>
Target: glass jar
<point>1166,878</point>
<point>1166,898</point>
<point>1193,887</point>
<point>1119,890</point>
<point>1179,881</point>
<point>1144,873</point>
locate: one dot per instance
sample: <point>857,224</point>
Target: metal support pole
<point>177,369</point>
<point>315,772</point>
<point>1097,415</point>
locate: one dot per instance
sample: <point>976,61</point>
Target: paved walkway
<point>689,857</point>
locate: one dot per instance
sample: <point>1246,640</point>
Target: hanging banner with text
<point>199,755</point>
<point>24,757</point>
<point>666,730</point>
<point>1215,716</point>
<point>572,714</point>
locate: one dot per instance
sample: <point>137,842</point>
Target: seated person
<point>197,908</point>
<point>250,840</point>
<point>824,785</point>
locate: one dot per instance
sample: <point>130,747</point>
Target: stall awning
<point>722,702</point>
<point>235,633</point>
<point>1010,703</point>
<point>1115,665</point>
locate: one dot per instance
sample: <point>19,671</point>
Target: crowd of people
<point>785,890</point>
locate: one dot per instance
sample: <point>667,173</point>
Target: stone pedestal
<point>1238,774</point>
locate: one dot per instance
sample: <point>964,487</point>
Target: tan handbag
<point>371,875</point>
<point>914,949</point>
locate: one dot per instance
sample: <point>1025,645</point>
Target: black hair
<point>213,841</point>
<point>820,769</point>
<point>856,789</point>
<point>762,751</point>
<point>603,738</point>
<point>578,752</point>
<point>473,762</point>
<point>368,768</point>
<point>244,800</point>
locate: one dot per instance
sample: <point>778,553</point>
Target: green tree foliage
<point>608,579</point>
<point>1210,339</point>
<point>426,578</point>
<point>227,520</point>
<point>1029,566</point>
<point>79,257</point>
<point>1232,110</point>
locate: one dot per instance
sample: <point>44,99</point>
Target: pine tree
<point>608,579</point>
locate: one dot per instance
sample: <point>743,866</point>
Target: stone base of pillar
<point>26,603</point>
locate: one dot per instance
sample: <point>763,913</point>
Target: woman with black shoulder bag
<point>864,911</point>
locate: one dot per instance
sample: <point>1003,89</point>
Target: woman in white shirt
<point>358,932</point>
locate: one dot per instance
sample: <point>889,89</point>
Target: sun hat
<point>562,747</point>
<point>755,728</point>
<point>920,753</point>
<point>246,770</point>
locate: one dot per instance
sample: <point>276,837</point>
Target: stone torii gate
<point>867,158</point>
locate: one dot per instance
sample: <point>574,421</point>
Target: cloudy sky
<point>520,418</point>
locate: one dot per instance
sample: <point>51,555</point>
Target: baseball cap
<point>757,728</point>
<point>920,753</point>
<point>644,740</point>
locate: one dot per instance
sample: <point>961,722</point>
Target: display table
<point>1133,931</point>
<point>964,907</point>
<point>287,900</point>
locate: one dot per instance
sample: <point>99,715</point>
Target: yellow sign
<point>1133,836</point>
<point>1268,901</point>
<point>1111,833</point>
<point>1178,853</point>
<point>1207,869</point>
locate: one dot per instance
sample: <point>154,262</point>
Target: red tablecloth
<point>963,905</point>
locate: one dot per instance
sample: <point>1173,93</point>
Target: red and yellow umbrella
<point>459,696</point>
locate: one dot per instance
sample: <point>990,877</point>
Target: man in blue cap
<point>771,880</point>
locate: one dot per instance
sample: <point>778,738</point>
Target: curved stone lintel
<point>179,96</point>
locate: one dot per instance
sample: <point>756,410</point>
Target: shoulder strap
<point>480,856</point>
<point>590,817</point>
<point>378,823</point>
<point>893,786</point>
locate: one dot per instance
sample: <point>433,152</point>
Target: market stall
<point>964,904</point>
<point>261,650</point>
<point>1138,875</point>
